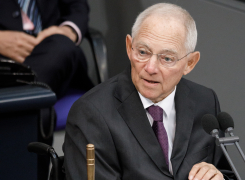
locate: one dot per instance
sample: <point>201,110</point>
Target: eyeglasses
<point>165,60</point>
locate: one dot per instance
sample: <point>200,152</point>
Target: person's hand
<point>64,30</point>
<point>205,171</point>
<point>16,45</point>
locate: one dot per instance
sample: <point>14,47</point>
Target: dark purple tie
<point>156,113</point>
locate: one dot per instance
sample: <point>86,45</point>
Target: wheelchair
<point>57,172</point>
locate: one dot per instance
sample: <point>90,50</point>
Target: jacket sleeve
<point>86,125</point>
<point>76,11</point>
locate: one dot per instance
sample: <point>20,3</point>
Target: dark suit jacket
<point>111,116</point>
<point>53,12</point>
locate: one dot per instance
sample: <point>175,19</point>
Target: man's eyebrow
<point>171,51</point>
<point>143,44</point>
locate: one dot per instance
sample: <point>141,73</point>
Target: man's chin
<point>150,96</point>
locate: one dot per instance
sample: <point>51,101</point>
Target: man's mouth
<point>150,81</point>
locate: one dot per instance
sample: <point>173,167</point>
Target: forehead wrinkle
<point>143,44</point>
<point>167,39</point>
<point>154,30</point>
<point>149,32</point>
<point>154,25</point>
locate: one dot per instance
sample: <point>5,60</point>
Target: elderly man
<point>145,123</point>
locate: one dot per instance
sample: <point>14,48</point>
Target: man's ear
<point>129,45</point>
<point>192,61</point>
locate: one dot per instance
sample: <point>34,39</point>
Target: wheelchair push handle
<point>42,149</point>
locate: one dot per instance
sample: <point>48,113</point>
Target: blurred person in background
<point>45,35</point>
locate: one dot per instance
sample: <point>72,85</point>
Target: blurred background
<point>221,41</point>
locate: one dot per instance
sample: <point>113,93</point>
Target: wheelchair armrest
<point>57,162</point>
<point>42,149</point>
<point>96,41</point>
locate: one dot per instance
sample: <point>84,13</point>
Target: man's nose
<point>152,65</point>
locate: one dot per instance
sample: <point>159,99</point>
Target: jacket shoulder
<point>195,87</point>
<point>201,95</point>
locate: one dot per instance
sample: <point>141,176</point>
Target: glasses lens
<point>167,60</point>
<point>142,54</point>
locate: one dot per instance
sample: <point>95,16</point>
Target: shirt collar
<point>166,104</point>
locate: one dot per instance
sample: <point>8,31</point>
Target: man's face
<point>158,36</point>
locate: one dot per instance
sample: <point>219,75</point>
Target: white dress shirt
<point>169,119</point>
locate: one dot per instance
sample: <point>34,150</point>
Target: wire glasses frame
<point>165,59</point>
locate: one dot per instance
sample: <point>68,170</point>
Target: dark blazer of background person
<point>53,12</point>
<point>112,117</point>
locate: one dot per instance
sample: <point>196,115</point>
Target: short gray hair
<point>170,10</point>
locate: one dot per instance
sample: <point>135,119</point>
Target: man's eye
<point>142,52</point>
<point>167,58</point>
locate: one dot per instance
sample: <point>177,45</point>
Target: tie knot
<point>156,112</point>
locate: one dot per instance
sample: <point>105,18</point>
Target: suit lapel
<point>184,121</point>
<point>132,111</point>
